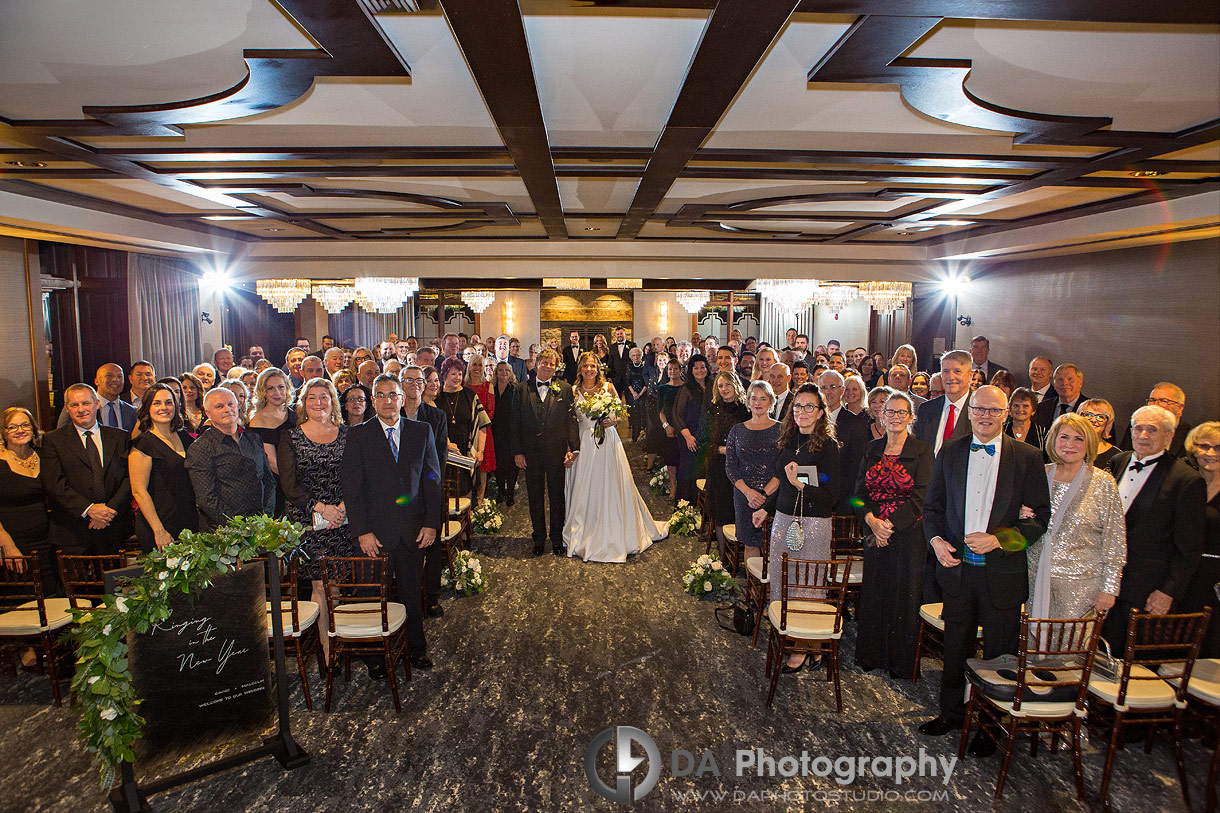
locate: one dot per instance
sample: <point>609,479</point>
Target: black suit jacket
<point>544,431</point>
<point>1177,446</point>
<point>1021,481</point>
<point>571,354</point>
<point>853,435</point>
<point>1048,410</point>
<point>127,415</point>
<point>927,421</point>
<point>68,478</point>
<point>618,365</point>
<point>374,485</point>
<point>1164,529</point>
<point>990,369</point>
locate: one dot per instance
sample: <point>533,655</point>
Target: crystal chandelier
<point>885,297</point>
<point>283,294</point>
<point>835,297</point>
<point>334,296</point>
<point>385,294</point>
<point>479,301</point>
<point>566,283</point>
<point>692,301</point>
<point>789,296</point>
<point>624,284</point>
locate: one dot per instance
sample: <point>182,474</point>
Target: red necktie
<point>949,423</point>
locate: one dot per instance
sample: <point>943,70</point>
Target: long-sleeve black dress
<point>892,487</point>
<point>714,429</point>
<point>23,514</point>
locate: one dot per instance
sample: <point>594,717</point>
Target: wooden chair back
<point>350,580</point>
<point>1064,648</point>
<point>21,582</point>
<point>84,577</point>
<point>818,581</point>
<point>1155,641</point>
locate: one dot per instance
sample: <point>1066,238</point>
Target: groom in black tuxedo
<point>571,356</point>
<point>545,441</point>
<point>620,359</point>
<point>392,489</point>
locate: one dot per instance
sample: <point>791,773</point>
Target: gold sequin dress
<point>1089,547</point>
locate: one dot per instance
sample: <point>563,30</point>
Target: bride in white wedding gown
<point>607,519</point>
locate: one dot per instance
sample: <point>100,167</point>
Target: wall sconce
<point>508,318</point>
<point>663,317</point>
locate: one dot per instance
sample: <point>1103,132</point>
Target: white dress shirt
<point>959,415</point>
<point>1132,481</point>
<point>834,415</point>
<point>778,409</point>
<point>544,387</point>
<point>981,474</point>
<point>1042,392</point>
<point>95,439</point>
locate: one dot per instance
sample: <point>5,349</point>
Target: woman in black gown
<point>24,527</point>
<point>1203,444</point>
<point>502,390</point>
<point>893,479</point>
<point>688,411</point>
<point>667,441</point>
<point>159,480</point>
<point>728,409</point>
<point>273,414</point>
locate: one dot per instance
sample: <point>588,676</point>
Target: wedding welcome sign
<point>204,673</point>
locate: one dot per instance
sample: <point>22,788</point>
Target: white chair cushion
<point>1033,708</point>
<point>1204,680</point>
<point>307,614</point>
<point>930,615</point>
<point>363,619</point>
<point>450,529</point>
<point>701,484</point>
<point>24,620</point>
<point>804,626</point>
<point>730,532</point>
<point>460,505</point>
<point>754,566</point>
<point>1141,694</point>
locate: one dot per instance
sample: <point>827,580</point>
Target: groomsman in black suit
<point>619,359</point>
<point>851,430</point>
<point>978,487</point>
<point>1163,501</point>
<point>112,410</point>
<point>571,355</point>
<point>1171,397</point>
<point>1068,384</point>
<point>414,408</point>
<point>392,489</point>
<point>84,467</point>
<point>980,349</point>
<point>545,442</point>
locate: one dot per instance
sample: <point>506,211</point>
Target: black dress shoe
<point>939,726</point>
<point>421,661</point>
<point>377,671</point>
<point>434,611</point>
<point>981,745</point>
<point>559,550</point>
<point>538,548</point>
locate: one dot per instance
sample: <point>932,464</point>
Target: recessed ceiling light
<point>1146,173</point>
<point>27,164</point>
<point>592,228</point>
<point>272,228</point>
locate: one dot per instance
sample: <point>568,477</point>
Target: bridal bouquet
<point>685,520</point>
<point>599,406</point>
<point>659,482</point>
<point>486,518</point>
<point>707,578</point>
<point>467,576</point>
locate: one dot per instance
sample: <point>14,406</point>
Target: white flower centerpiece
<point>467,577</point>
<point>487,518</point>
<point>685,520</point>
<point>707,578</point>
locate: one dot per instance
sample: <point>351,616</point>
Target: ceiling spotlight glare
<point>955,284</point>
<point>215,282</point>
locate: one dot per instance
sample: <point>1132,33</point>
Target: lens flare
<point>856,502</point>
<point>1011,539</point>
<point>404,499</point>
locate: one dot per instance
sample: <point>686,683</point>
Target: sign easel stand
<point>131,797</point>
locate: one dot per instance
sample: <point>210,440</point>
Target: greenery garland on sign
<point>109,725</point>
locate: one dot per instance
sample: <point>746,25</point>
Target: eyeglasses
<point>17,427</point>
<point>413,382</point>
<point>804,407</point>
<point>387,396</point>
<point>1164,402</point>
<point>830,386</point>
<point>991,412</point>
<point>1094,416</point>
<point>895,413</point>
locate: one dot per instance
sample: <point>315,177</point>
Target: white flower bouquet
<point>707,578</point>
<point>685,520</point>
<point>597,407</point>
<point>467,576</point>
<point>487,518</point>
<point>659,482</point>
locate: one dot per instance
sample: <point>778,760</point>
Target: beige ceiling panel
<point>711,190</point>
<point>597,194</point>
<point>1203,152</point>
<point>142,194</point>
<point>1037,201</point>
<point>511,191</point>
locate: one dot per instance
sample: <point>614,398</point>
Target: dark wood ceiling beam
<point>491,35</point>
<point>737,36</point>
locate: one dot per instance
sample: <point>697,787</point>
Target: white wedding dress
<point>606,517</point>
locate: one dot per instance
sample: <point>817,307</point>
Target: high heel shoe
<point>809,663</point>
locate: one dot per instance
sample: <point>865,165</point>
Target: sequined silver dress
<point>1089,547</point>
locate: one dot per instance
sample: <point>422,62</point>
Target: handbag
<point>740,617</point>
<point>794,538</point>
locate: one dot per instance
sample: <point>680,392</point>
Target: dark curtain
<point>168,292</point>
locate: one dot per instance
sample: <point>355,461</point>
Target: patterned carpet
<point>552,654</point>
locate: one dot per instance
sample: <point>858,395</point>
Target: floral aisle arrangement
<point>487,518</point>
<point>467,576</point>
<point>599,406</point>
<point>685,520</point>
<point>707,578</point>
<point>659,482</point>
<point>102,686</point>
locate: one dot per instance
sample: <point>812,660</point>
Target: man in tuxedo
<point>1172,398</point>
<point>140,376</point>
<point>780,377</point>
<point>1040,371</point>
<point>851,430</point>
<point>1068,382</point>
<point>978,486</point>
<point>1163,502</point>
<point>414,408</point>
<point>503,351</point>
<point>545,442</point>
<point>84,467</point>
<point>571,355</point>
<point>112,410</point>
<point>391,479</point>
<point>619,359</point>
<point>980,349</point>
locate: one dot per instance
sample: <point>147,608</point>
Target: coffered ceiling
<point>817,130</point>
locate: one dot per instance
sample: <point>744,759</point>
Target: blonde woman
<point>243,400</point>
<point>855,394</point>
<point>272,395</point>
<point>309,455</point>
<point>192,402</point>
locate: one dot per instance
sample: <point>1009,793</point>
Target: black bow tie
<point>1137,466</point>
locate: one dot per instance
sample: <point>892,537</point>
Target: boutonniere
<point>554,386</point>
